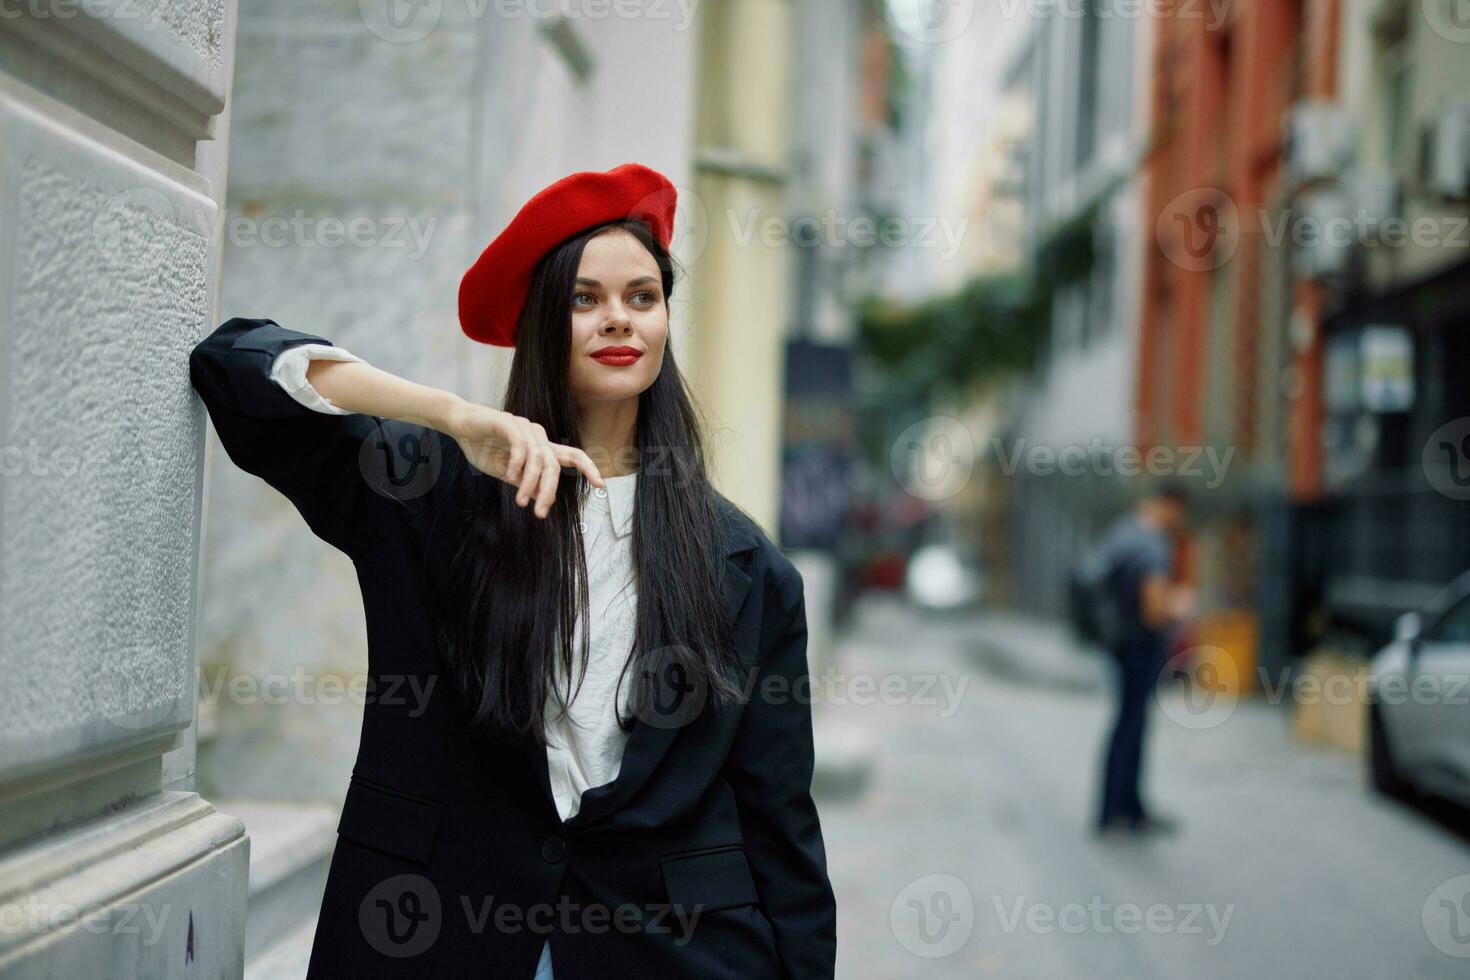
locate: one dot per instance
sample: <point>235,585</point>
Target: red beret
<point>493,290</point>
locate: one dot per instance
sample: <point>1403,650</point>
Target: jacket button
<point>554,850</point>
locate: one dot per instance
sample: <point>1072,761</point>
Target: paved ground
<point>968,853</point>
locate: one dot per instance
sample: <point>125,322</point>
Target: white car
<point>937,578</point>
<point>1419,702</point>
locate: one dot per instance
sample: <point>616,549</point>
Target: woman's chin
<point>604,392</point>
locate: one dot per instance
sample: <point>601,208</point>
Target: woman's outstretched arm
<point>358,477</point>
<point>508,447</point>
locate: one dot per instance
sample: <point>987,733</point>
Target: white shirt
<point>584,743</point>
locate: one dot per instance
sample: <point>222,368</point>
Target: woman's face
<point>618,305</point>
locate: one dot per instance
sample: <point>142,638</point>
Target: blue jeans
<point>1138,663</point>
<point>543,969</point>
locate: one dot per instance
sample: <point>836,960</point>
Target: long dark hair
<point>507,609</point>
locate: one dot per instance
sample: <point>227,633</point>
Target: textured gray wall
<point>108,296</point>
<point>107,279</point>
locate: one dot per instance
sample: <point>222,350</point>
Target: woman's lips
<point>617,356</point>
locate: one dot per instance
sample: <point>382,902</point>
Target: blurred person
<point>662,827</point>
<point>1141,581</point>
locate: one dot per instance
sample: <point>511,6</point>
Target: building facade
<point>1083,79</point>
<point>1302,298</point>
<point>112,165</point>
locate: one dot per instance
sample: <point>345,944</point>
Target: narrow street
<point>969,853</point>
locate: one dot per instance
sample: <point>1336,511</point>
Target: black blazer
<point>704,858</point>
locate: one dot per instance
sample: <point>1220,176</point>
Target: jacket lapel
<point>649,742</point>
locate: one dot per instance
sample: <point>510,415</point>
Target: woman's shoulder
<point>745,536</point>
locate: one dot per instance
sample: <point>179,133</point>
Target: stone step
<point>290,846</point>
<point>287,957</point>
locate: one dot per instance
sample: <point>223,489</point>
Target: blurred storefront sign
<point>1387,356</point>
<point>817,446</point>
<point>1369,373</point>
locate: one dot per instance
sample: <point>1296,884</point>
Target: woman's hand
<point>515,449</point>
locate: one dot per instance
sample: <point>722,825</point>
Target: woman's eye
<point>642,296</point>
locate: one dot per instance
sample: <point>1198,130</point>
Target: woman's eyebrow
<point>584,281</point>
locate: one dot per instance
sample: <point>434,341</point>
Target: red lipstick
<point>617,356</point>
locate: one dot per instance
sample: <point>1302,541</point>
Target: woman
<point>586,749</point>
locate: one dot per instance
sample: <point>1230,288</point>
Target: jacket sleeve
<point>770,769</point>
<point>356,479</point>
<point>289,371</point>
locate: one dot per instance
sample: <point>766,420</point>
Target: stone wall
<point>110,864</point>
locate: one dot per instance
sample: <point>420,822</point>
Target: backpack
<point>1094,616</point>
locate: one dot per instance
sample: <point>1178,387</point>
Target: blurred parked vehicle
<point>937,578</point>
<point>1419,702</point>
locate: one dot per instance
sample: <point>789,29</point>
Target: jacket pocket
<point>391,821</point>
<point>709,879</point>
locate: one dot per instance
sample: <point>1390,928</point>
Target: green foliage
<point>992,327</point>
<point>950,341</point>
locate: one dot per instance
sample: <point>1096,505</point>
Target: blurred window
<point>1397,112</point>
<point>1088,84</point>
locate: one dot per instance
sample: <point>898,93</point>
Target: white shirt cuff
<point>289,371</point>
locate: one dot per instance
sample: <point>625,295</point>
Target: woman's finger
<point>517,457</point>
<point>572,456</point>
<point>530,474</point>
<point>526,492</point>
<point>526,478</point>
<point>550,474</point>
<point>516,437</point>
